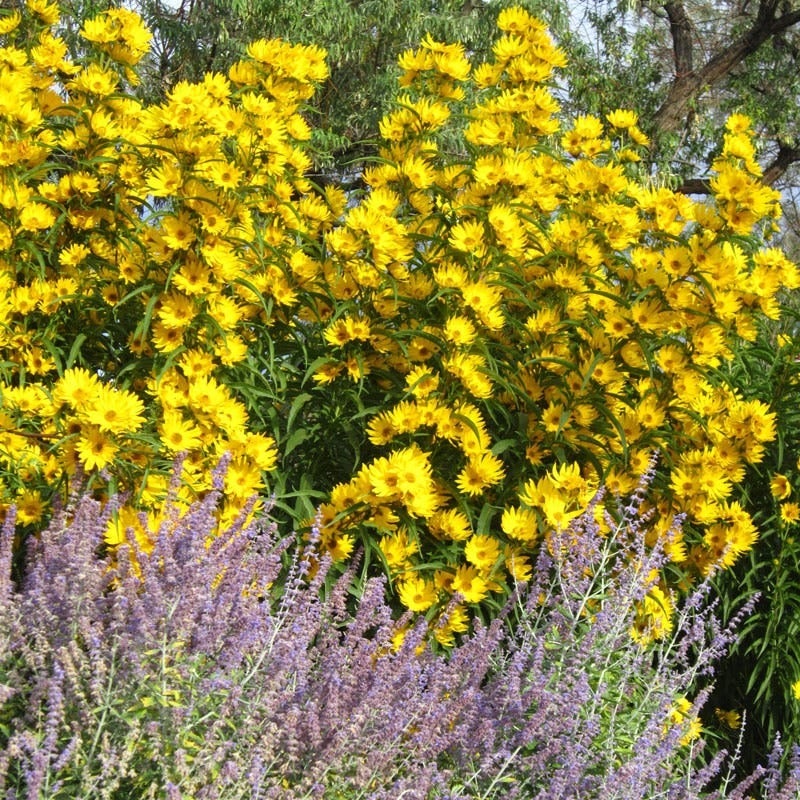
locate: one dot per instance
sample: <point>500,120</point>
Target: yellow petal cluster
<point>132,273</point>
<point>576,316</point>
<point>514,320</point>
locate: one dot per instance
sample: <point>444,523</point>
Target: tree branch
<point>680,27</point>
<point>695,186</point>
<point>688,86</point>
<point>784,159</point>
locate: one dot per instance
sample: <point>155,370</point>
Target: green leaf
<point>484,524</point>
<point>297,405</point>
<point>295,440</point>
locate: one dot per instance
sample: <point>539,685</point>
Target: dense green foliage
<point>760,674</point>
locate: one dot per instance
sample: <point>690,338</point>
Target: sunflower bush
<point>762,672</point>
<point>532,316</point>
<point>142,287</point>
<point>442,368</point>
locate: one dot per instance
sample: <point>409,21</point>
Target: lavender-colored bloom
<point>237,666</point>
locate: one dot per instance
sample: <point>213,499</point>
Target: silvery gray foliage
<point>236,666</point>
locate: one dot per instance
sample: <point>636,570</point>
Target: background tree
<point>685,67</point>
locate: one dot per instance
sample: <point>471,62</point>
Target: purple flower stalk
<point>239,669</point>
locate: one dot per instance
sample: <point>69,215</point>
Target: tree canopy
<point>685,67</point>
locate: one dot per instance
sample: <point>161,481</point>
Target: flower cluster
<point>494,327</point>
<point>543,322</point>
<point>137,260</point>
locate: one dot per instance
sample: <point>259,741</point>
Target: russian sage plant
<point>239,667</point>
